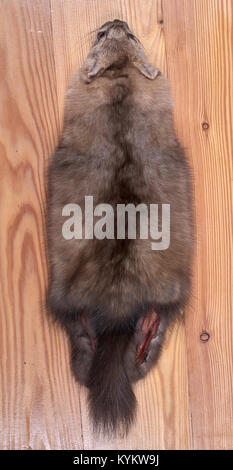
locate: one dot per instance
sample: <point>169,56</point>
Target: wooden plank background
<point>187,401</point>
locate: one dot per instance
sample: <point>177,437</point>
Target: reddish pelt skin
<point>118,144</point>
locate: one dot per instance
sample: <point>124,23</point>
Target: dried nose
<point>120,24</point>
<point>117,30</point>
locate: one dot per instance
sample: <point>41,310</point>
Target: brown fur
<point>119,145</point>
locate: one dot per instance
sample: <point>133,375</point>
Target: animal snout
<point>120,23</point>
<point>118,29</point>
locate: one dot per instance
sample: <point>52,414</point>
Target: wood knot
<point>204,336</point>
<point>205,126</point>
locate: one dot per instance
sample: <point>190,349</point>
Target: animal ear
<point>93,67</point>
<point>146,68</point>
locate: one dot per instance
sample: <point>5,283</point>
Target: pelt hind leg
<point>147,341</point>
<point>83,345</point>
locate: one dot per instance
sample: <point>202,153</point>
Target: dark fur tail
<point>111,398</point>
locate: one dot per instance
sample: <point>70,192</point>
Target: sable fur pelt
<point>118,144</point>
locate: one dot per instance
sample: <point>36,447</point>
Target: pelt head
<point>116,46</point>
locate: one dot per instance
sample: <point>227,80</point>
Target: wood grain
<point>186,402</point>
<point>35,378</point>
<point>199,51</point>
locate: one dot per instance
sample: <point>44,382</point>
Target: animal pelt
<point>118,144</point>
